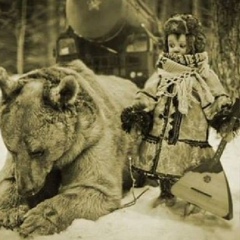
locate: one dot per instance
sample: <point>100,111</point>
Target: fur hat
<point>189,25</point>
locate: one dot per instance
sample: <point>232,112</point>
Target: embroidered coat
<point>184,95</point>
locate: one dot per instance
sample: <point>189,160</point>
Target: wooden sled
<point>206,186</point>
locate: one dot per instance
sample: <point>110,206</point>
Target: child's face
<point>177,43</point>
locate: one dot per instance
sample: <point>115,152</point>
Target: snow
<point>142,222</point>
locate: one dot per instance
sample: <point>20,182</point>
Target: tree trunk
<point>53,29</point>
<point>164,14</point>
<point>196,8</point>
<point>21,37</point>
<point>226,52</point>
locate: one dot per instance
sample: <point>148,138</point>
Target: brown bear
<point>67,152</point>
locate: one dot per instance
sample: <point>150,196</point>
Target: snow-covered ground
<point>142,222</point>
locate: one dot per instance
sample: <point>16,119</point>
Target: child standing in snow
<point>185,98</point>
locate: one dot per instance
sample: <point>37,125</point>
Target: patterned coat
<point>184,95</point>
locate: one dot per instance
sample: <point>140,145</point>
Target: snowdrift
<point>141,221</point>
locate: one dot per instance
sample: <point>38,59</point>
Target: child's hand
<point>224,132</point>
<point>228,136</point>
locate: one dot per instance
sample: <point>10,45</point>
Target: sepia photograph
<point>119,119</point>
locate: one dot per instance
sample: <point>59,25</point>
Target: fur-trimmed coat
<point>184,95</point>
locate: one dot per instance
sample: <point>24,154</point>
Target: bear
<point>68,156</point>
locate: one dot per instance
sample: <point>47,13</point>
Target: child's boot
<point>171,199</point>
<point>163,194</point>
<point>166,195</point>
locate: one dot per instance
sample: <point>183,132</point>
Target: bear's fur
<point>67,152</point>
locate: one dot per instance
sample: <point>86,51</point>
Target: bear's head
<point>38,120</point>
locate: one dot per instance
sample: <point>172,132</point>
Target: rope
<point>135,198</point>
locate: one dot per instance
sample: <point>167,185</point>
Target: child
<point>185,98</point>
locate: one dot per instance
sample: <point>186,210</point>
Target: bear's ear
<point>65,93</point>
<point>7,85</point>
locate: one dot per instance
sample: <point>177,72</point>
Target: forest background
<point>29,30</point>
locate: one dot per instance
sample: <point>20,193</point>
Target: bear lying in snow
<point>67,152</point>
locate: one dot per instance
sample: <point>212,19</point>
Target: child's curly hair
<point>189,25</point>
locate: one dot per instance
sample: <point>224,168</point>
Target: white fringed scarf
<point>188,74</point>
